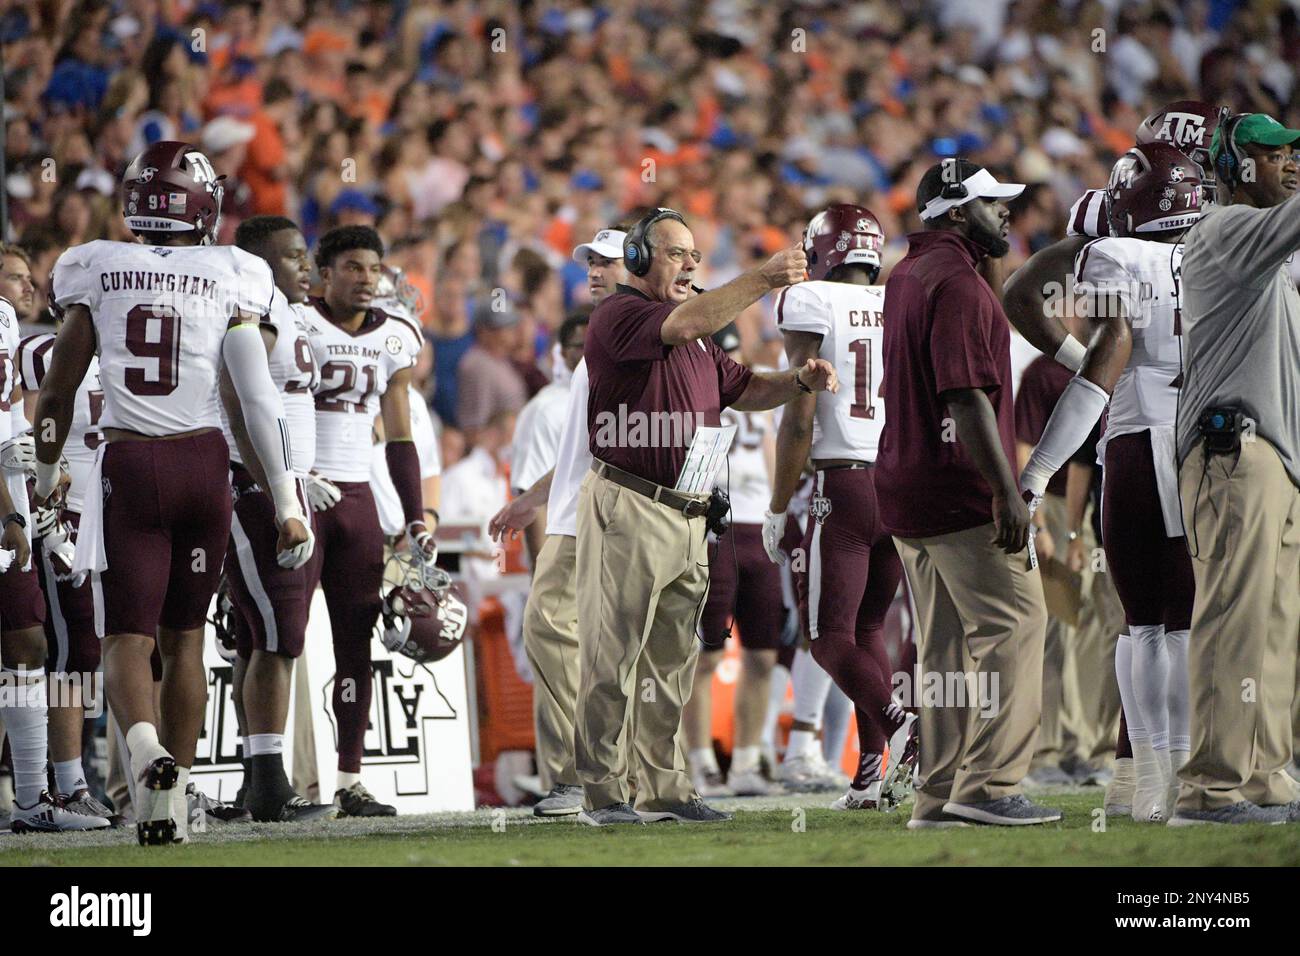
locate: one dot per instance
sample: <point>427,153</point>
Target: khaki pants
<point>1243,527</point>
<point>642,577</point>
<point>981,616</point>
<point>551,641</point>
<point>1090,685</point>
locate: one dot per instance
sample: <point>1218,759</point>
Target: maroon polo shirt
<point>635,378</point>
<point>1040,389</point>
<point>944,329</point>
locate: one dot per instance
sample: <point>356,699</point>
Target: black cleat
<point>294,810</point>
<point>357,801</point>
<point>214,809</point>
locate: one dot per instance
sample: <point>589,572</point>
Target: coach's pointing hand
<point>785,268</point>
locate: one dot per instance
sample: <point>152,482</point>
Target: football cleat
<point>904,746</point>
<point>46,816</point>
<point>868,799</point>
<point>300,810</point>
<point>809,772</point>
<point>357,801</point>
<point>214,810</point>
<point>154,824</point>
<point>747,783</point>
<point>82,802</point>
<point>422,618</point>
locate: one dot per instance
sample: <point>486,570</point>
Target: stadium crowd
<point>484,141</point>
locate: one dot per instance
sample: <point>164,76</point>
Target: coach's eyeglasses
<point>678,253</point>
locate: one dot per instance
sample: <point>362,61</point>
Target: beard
<point>989,238</point>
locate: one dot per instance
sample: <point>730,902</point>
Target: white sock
<point>25,716</point>
<point>775,701</point>
<point>257,744</point>
<point>346,780</point>
<point>744,759</point>
<point>811,685</point>
<point>1151,681</point>
<point>180,806</point>
<point>1124,677</point>
<point>801,741</point>
<point>143,746</point>
<point>1179,695</point>
<point>703,760</point>
<point>69,776</point>
<point>835,725</point>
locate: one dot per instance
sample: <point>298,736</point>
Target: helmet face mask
<point>843,234</point>
<point>422,617</point>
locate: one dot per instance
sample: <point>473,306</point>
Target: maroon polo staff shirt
<point>944,329</point>
<point>646,398</point>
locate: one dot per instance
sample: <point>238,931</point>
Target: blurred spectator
<point>225,141</point>
<point>487,382</point>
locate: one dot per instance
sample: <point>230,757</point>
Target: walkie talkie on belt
<point>1221,429</point>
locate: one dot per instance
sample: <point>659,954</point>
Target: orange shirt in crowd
<point>263,167</point>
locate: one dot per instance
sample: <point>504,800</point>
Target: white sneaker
<point>809,771</point>
<point>747,783</point>
<point>853,799</point>
<point>46,816</point>
<point>709,783</point>
<point>1119,792</point>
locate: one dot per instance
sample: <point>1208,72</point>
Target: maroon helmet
<point>422,617</point>
<point>841,234</point>
<point>172,187</point>
<point>1153,189</point>
<point>1187,125</point>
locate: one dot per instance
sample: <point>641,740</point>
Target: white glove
<point>773,533</point>
<point>296,557</point>
<point>61,551</point>
<point>6,559</point>
<point>19,453</point>
<point>420,543</point>
<point>322,494</point>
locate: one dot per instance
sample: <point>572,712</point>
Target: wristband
<point>1071,353</point>
<point>47,477</point>
<point>802,387</point>
<point>284,494</point>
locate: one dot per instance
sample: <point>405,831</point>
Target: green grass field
<point>784,831</point>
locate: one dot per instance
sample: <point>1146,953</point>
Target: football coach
<point>947,488</point>
<point>1239,472</point>
<point>642,564</point>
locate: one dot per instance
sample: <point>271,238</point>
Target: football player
<point>73,652</point>
<point>853,569</point>
<point>744,589</point>
<point>1129,285</point>
<point>23,704</point>
<point>366,357</point>
<point>172,319</point>
<point>271,602</point>
<point>1189,126</point>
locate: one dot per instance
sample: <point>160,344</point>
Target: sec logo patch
<point>393,344</point>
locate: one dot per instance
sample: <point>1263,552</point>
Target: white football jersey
<point>294,372</point>
<point>1141,273</point>
<point>851,321</point>
<point>84,436</point>
<point>1088,215</point>
<point>744,477</point>
<point>425,437</point>
<point>354,372</point>
<point>9,378</point>
<point>160,314</point>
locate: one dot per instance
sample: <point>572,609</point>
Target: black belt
<point>692,507</point>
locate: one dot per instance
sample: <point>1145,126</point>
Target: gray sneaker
<point>1243,811</point>
<point>1012,811</point>
<point>564,800</point>
<point>692,811</point>
<point>611,815</point>
<point>1048,776</point>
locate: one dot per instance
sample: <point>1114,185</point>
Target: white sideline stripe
<point>815,566</point>
<point>56,612</point>
<point>244,552</point>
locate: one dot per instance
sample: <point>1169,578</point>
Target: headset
<point>636,251</point>
<point>953,188</point>
<point>1230,160</point>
